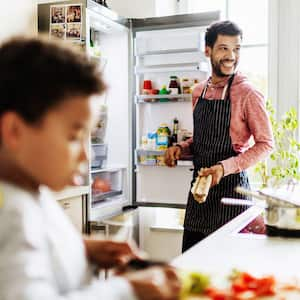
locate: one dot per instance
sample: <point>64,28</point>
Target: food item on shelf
<point>174,137</point>
<point>153,92</point>
<point>151,160</point>
<point>98,132</point>
<point>163,91</point>
<point>151,141</point>
<point>186,86</point>
<point>101,185</point>
<point>163,137</point>
<point>174,88</point>
<point>201,187</point>
<point>144,142</point>
<point>147,88</point>
<point>160,160</point>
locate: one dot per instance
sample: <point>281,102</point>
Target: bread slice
<point>201,187</point>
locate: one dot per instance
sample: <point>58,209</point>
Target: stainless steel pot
<point>282,211</point>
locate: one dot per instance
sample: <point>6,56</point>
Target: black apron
<point>212,144</point>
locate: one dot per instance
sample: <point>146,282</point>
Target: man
<point>227,112</point>
<point>45,117</point>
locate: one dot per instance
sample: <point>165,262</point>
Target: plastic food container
<point>99,155</point>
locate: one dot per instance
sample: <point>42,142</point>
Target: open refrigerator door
<point>104,36</point>
<point>169,60</point>
<point>107,43</point>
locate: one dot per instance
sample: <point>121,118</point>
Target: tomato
<point>101,185</point>
<point>215,294</point>
<point>265,286</point>
<point>260,286</point>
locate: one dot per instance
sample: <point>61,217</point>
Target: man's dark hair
<point>36,75</point>
<point>221,28</point>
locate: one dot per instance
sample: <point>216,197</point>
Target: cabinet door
<point>73,207</point>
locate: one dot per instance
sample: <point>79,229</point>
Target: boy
<point>45,117</point>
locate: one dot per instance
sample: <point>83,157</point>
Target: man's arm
<point>260,127</point>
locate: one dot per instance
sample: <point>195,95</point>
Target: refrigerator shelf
<point>166,68</point>
<point>98,196</point>
<point>180,163</point>
<point>150,152</point>
<point>108,169</point>
<point>170,51</point>
<point>156,98</point>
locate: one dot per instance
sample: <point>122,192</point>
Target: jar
<point>173,85</point>
<point>186,86</point>
<point>147,87</point>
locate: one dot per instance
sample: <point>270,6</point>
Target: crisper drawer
<point>107,184</point>
<point>167,41</point>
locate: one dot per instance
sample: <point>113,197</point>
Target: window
<point>252,17</point>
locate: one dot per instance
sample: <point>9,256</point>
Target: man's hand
<point>216,171</point>
<point>172,154</point>
<point>155,283</point>
<point>110,254</point>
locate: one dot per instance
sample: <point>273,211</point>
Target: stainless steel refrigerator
<point>130,52</point>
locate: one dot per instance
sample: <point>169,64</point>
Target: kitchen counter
<point>71,192</point>
<point>225,249</point>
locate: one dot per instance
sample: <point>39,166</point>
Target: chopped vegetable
<point>193,283</point>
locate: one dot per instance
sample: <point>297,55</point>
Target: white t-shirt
<point>42,256</point>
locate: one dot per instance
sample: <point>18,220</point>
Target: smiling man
<point>227,112</point>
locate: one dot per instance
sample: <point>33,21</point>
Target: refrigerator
<point>125,160</point>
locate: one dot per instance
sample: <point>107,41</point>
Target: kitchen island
<point>255,253</point>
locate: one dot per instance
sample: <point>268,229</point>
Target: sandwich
<point>201,187</point>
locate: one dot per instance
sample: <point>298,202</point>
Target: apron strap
<point>225,89</point>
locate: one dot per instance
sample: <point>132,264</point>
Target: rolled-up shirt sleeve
<point>26,271</point>
<point>260,128</point>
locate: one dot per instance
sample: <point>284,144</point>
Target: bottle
<point>163,91</point>
<point>174,137</point>
<point>163,137</point>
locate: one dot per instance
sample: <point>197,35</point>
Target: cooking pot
<point>282,210</point>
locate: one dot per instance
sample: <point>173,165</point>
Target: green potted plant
<point>283,164</point>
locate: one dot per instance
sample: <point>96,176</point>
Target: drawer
<point>73,208</point>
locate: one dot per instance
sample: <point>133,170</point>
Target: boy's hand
<point>110,254</point>
<point>172,154</point>
<point>155,283</point>
<point>216,171</point>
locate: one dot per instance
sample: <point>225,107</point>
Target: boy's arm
<point>26,272</point>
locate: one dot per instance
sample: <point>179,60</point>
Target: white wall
<point>17,17</point>
<point>133,8</point>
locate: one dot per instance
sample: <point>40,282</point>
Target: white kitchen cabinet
<point>161,231</point>
<point>73,201</point>
<point>73,208</point>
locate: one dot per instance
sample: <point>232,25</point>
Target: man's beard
<point>216,67</point>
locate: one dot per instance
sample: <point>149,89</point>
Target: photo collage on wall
<point>65,22</point>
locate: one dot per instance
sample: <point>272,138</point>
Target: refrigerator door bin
<point>170,40</point>
<point>99,154</point>
<point>156,98</point>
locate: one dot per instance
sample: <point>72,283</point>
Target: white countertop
<point>261,255</point>
<point>70,192</point>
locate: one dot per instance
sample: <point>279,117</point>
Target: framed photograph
<point>58,31</point>
<point>58,14</point>
<point>73,31</point>
<point>74,13</point>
